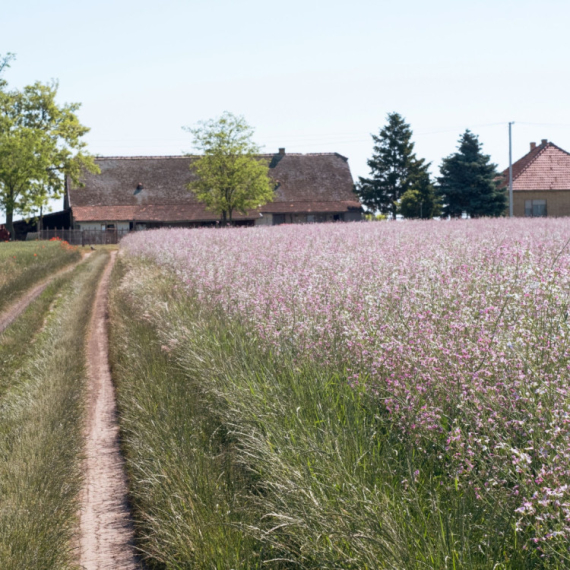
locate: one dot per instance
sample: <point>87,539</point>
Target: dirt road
<point>106,531</point>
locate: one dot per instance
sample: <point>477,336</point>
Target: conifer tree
<point>394,168</point>
<point>469,181</point>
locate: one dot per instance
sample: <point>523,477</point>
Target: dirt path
<point>106,530</point>
<point>18,307</point>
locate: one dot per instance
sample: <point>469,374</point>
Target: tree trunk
<point>10,221</point>
<point>224,218</point>
<point>230,212</point>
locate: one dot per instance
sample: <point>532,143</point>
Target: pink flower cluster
<point>460,330</point>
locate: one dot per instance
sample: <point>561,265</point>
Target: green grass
<point>41,413</point>
<point>18,340</point>
<point>23,264</point>
<point>240,458</point>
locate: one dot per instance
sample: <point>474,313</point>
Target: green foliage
<point>468,181</point>
<point>375,217</point>
<point>4,64</point>
<point>40,143</point>
<point>229,175</point>
<point>421,201</point>
<point>394,169</point>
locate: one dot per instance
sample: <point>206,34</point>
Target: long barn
<point>151,192</point>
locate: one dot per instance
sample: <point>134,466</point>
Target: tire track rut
<point>8,316</point>
<point>106,529</point>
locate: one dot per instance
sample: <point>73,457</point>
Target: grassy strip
<point>183,499</point>
<point>18,340</point>
<point>22,264</point>
<point>41,434</point>
<point>239,458</point>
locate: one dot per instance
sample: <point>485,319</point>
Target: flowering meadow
<point>456,332</point>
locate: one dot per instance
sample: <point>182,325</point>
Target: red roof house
<point>541,182</point>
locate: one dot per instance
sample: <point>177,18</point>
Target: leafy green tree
<point>40,143</point>
<point>420,201</point>
<point>394,168</point>
<point>229,175</point>
<point>468,181</point>
<point>4,64</point>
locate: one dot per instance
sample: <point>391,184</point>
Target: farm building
<point>541,182</point>
<point>151,192</point>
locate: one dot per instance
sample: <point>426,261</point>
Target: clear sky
<point>309,76</point>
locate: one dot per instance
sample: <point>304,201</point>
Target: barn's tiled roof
<point>304,183</point>
<point>546,167</point>
<point>198,213</point>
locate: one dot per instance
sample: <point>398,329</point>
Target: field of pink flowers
<point>459,330</point>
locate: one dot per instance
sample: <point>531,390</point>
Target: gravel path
<point>106,530</point>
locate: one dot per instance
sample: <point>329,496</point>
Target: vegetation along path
<point>8,316</point>
<point>106,530</point>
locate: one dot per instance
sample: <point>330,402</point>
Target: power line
<point>544,124</point>
<point>300,139</point>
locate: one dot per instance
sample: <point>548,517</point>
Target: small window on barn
<point>110,226</point>
<point>535,208</point>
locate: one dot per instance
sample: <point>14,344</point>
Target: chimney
<point>544,141</point>
<point>532,146</point>
<point>282,151</point>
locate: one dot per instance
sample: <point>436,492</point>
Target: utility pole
<point>511,168</point>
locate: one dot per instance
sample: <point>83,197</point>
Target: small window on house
<point>535,208</point>
<point>110,226</point>
<point>310,218</point>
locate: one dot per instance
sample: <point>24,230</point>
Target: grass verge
<point>41,430</point>
<point>19,338</point>
<point>22,264</point>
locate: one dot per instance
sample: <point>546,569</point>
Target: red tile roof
<point>305,183</point>
<point>546,167</point>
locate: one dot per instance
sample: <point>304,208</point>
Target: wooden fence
<point>81,237</point>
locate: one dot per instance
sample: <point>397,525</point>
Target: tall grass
<point>41,413</point>
<point>22,264</point>
<point>458,331</point>
<point>241,456</point>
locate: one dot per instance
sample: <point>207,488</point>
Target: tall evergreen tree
<point>394,168</point>
<point>469,181</point>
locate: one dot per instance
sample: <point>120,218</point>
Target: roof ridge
<point>537,152</point>
<point>557,147</point>
<point>177,156</point>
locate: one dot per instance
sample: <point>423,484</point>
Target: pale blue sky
<point>309,76</point>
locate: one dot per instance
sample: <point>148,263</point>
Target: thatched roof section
<point>304,183</point>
